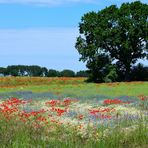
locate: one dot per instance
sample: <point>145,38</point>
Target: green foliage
<point>22,70</point>
<point>67,73</point>
<point>139,73</point>
<point>13,70</point>
<point>82,73</point>
<point>53,73</point>
<point>34,70</point>
<point>97,67</point>
<point>111,74</point>
<point>3,71</point>
<point>37,71</point>
<point>44,71</point>
<point>119,33</point>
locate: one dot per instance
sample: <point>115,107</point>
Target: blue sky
<point>43,32</point>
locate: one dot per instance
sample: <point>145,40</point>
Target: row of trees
<point>109,74</point>
<point>37,71</point>
<point>112,40</point>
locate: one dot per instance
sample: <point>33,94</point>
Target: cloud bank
<point>65,2</point>
<point>47,2</point>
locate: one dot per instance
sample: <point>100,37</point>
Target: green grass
<point>74,88</point>
<point>15,135</point>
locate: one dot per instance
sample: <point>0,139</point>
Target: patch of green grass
<point>87,90</point>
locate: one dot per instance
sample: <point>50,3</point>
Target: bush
<point>82,73</point>
<point>139,73</point>
<point>53,73</point>
<point>67,73</point>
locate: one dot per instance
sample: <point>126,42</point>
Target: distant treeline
<point>37,71</point>
<point>138,72</point>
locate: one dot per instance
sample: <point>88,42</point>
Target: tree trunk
<point>127,73</point>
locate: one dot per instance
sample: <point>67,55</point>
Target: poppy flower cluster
<point>114,101</point>
<point>57,111</point>
<point>101,110</point>
<point>65,102</point>
<point>10,107</point>
<point>101,113</point>
<point>142,97</point>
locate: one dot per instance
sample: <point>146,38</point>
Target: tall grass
<point>20,128</point>
<point>16,134</point>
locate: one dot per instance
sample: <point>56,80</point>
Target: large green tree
<point>121,34</point>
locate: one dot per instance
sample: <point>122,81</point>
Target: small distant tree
<point>44,71</point>
<point>13,70</point>
<point>53,73</point>
<point>139,73</point>
<point>67,73</point>
<point>3,71</point>
<point>82,73</point>
<point>21,70</point>
<point>34,71</point>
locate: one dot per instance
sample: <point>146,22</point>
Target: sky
<point>43,32</point>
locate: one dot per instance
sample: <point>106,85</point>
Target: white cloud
<point>123,1</point>
<point>65,2</point>
<point>47,2</point>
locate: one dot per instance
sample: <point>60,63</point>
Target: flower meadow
<point>50,119</point>
<point>70,123</point>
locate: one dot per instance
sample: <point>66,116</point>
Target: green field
<point>67,112</point>
<point>73,87</point>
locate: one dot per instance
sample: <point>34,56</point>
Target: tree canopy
<point>119,34</point>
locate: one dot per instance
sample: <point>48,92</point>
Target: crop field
<point>69,113</point>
